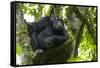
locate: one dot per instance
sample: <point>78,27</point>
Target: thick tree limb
<point>84,22</point>
<point>79,35</point>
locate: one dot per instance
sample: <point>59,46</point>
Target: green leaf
<point>18,49</point>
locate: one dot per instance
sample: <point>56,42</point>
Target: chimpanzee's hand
<point>48,42</point>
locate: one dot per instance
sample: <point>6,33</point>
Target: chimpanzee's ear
<point>52,17</point>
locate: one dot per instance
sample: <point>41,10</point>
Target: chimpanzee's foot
<point>38,51</point>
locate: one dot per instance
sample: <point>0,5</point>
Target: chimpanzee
<point>48,31</point>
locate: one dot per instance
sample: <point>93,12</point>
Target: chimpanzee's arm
<point>57,39</point>
<point>54,40</point>
<point>34,27</point>
<point>39,26</point>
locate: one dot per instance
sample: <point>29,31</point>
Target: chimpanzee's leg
<point>33,40</point>
<point>35,43</point>
<point>40,41</point>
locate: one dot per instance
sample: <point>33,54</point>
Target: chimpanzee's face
<point>58,24</point>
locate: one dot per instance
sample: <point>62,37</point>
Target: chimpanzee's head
<point>57,23</point>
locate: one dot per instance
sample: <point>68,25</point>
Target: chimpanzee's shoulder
<point>45,18</point>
